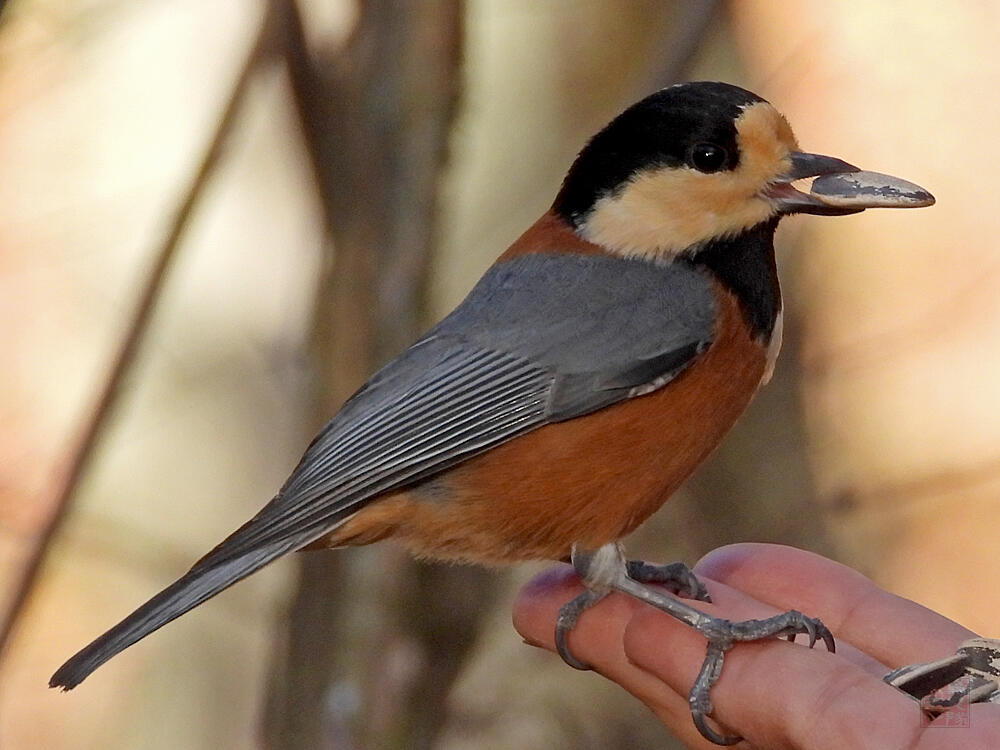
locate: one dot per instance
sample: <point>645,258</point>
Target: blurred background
<point>218,217</point>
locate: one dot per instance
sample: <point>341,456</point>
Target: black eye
<point>707,157</point>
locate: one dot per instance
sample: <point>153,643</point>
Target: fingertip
<point>888,628</point>
<point>537,603</point>
<point>555,583</point>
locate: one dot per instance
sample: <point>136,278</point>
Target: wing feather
<point>476,400</point>
<point>540,339</point>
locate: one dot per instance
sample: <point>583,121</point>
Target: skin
<point>811,700</point>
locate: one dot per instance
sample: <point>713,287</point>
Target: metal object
<point>970,675</point>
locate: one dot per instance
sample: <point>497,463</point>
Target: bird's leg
<point>597,570</point>
<point>605,570</point>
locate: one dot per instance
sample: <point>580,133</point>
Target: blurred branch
<point>933,485</point>
<point>80,456</point>
<point>376,118</point>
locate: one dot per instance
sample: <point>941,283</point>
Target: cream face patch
<point>663,212</point>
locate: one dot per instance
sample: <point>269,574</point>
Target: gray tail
<point>206,579</point>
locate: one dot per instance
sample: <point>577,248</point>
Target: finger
<point>733,604</point>
<point>597,637</point>
<point>777,694</point>
<point>600,630</point>
<point>894,630</point>
<point>598,640</point>
<point>977,727</point>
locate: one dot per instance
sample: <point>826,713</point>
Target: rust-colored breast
<point>550,234</point>
<point>587,481</point>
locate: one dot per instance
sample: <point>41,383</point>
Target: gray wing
<point>541,338</point>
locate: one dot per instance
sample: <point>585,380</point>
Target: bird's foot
<point>676,577</point>
<point>722,635</point>
<point>605,570</point>
<point>599,570</point>
<point>566,620</point>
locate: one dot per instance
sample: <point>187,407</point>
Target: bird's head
<point>701,161</point>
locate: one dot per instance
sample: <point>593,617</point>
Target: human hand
<point>775,694</point>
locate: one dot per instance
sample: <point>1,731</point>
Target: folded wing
<point>541,338</point>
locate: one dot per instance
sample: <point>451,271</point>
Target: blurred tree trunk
<point>901,319</point>
<point>376,116</point>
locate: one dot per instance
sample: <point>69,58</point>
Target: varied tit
<point>590,370</point>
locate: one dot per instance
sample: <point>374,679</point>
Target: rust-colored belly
<point>587,481</point>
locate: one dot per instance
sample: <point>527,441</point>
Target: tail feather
<point>206,579</point>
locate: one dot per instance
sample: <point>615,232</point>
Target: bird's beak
<point>840,188</point>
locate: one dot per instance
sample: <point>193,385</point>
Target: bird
<point>594,365</point>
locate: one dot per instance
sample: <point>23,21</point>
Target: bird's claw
<point>605,570</point>
<point>566,620</point>
<point>699,701</point>
<point>786,625</point>
<point>677,577</point>
<point>700,719</point>
<point>721,635</point>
